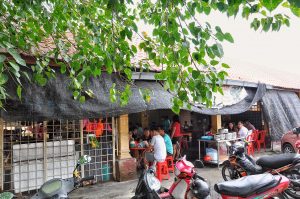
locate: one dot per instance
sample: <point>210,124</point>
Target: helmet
<point>184,166</point>
<point>239,148</point>
<point>200,189</point>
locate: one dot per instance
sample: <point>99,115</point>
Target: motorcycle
<point>60,188</point>
<point>187,184</point>
<point>240,164</point>
<point>254,187</point>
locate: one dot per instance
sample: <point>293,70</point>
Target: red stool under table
<point>170,163</point>
<point>162,171</point>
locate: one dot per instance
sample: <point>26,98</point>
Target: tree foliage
<point>88,37</point>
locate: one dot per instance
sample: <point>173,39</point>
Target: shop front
<point>34,152</point>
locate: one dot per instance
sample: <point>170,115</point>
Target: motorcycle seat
<point>277,161</point>
<point>247,186</point>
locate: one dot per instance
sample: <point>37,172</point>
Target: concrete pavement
<point>125,190</point>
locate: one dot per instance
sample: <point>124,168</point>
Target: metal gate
<point>34,152</point>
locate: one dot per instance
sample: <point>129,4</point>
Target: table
<point>136,150</point>
<point>218,148</point>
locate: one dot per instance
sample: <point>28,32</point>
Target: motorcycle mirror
<point>296,130</point>
<point>84,159</point>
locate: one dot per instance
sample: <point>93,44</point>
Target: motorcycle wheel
<point>229,173</point>
<point>293,191</point>
<point>282,196</point>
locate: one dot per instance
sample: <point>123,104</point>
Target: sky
<point>278,50</point>
<point>271,50</point>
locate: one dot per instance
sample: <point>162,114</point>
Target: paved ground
<point>125,190</point>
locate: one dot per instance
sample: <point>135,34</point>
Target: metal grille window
<point>34,152</point>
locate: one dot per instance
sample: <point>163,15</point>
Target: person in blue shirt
<point>168,141</point>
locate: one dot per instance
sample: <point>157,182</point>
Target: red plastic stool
<point>162,171</point>
<point>170,163</point>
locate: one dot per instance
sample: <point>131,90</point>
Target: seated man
<point>168,141</point>
<point>158,147</point>
<point>243,131</point>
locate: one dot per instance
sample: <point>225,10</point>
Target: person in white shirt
<point>243,131</point>
<point>158,146</point>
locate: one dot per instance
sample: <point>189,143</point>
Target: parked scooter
<point>240,164</point>
<point>60,188</point>
<point>255,186</point>
<point>187,184</point>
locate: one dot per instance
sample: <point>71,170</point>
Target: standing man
<point>158,147</point>
<point>168,141</point>
<point>176,136</point>
<point>166,124</point>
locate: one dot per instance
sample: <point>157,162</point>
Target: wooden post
<point>1,155</point>
<point>125,165</point>
<point>123,130</point>
<point>216,123</point>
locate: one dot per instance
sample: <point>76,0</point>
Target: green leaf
<point>63,68</point>
<point>3,78</point>
<point>225,65</point>
<point>271,4</point>
<point>76,94</point>
<point>26,75</point>
<point>214,62</point>
<point>16,56</point>
<point>82,99</point>
<point>2,58</point>
<point>295,3</point>
<point>228,37</point>
<point>296,11</point>
<point>128,73</point>
<point>15,66</point>
<point>40,79</point>
<point>134,49</point>
<point>218,50</point>
<point>255,24</point>
<point>19,92</point>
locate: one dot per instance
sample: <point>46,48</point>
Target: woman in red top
<point>175,135</point>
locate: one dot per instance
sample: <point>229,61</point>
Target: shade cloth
<point>282,111</point>
<point>55,101</point>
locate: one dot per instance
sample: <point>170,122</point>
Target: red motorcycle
<point>187,184</point>
<point>255,186</point>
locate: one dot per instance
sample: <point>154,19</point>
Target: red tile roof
<point>241,71</point>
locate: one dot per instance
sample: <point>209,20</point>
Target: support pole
<point>114,146</point>
<point>1,154</point>
<point>45,150</point>
<point>126,165</point>
<point>216,123</point>
<point>81,145</point>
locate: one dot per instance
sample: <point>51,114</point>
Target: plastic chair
<point>170,163</point>
<point>261,140</point>
<point>162,171</point>
<point>255,138</point>
<point>250,147</point>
